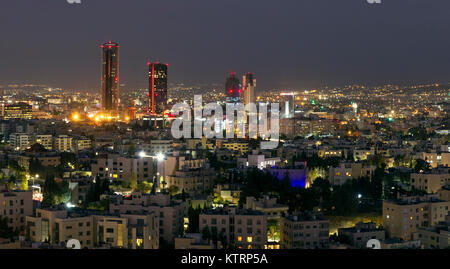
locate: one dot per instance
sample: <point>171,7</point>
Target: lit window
<point>240,238</point>
<point>249,239</point>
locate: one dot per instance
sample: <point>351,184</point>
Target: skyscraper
<point>232,88</point>
<point>249,87</point>
<point>157,87</point>
<point>288,107</point>
<point>110,77</point>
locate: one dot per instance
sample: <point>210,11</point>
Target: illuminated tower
<point>249,87</point>
<point>288,107</point>
<point>232,88</point>
<point>157,87</point>
<point>110,77</point>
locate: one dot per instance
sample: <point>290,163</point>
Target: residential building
<point>402,217</point>
<point>15,206</point>
<point>304,231</point>
<point>361,233</point>
<point>246,229</point>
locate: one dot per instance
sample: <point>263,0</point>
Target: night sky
<point>295,44</point>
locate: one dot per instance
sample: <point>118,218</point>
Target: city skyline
<point>372,44</point>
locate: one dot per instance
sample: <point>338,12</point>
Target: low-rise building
<point>193,241</point>
<point>15,206</point>
<point>348,171</point>
<point>93,229</point>
<point>304,231</point>
<point>360,234</point>
<point>267,205</point>
<point>436,237</point>
<point>432,181</point>
<point>402,217</point>
<point>246,229</point>
<point>192,181</point>
<point>170,213</point>
<point>63,143</point>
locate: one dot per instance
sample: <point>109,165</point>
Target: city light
<point>160,157</point>
<point>76,117</point>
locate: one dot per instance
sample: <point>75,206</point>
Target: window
<point>249,239</point>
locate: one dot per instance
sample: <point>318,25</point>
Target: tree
<point>206,235</point>
<point>144,187</point>
<point>422,165</point>
<point>6,231</point>
<point>24,185</point>
<point>173,189</point>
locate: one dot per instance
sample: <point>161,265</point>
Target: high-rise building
<point>249,87</point>
<point>288,107</point>
<point>232,88</point>
<point>157,87</point>
<point>110,77</point>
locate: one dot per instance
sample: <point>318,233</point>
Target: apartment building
<point>245,229</point>
<point>361,233</point>
<point>361,154</point>
<point>435,159</point>
<point>402,217</point>
<point>258,160</point>
<point>348,171</point>
<point>304,231</point>
<point>93,229</point>
<point>46,140</point>
<point>19,141</point>
<point>432,181</point>
<point>269,206</point>
<point>63,143</point>
<point>81,143</point>
<point>39,153</point>
<point>436,237</point>
<point>192,181</point>
<point>15,206</point>
<point>117,167</point>
<point>170,213</point>
<point>444,193</point>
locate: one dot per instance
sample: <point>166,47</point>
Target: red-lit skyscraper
<point>110,77</point>
<point>157,87</point>
<point>232,88</point>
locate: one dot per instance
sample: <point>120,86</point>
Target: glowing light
<point>160,157</point>
<point>75,117</point>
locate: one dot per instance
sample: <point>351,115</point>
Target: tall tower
<point>110,77</point>
<point>232,88</point>
<point>157,87</point>
<point>249,88</point>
